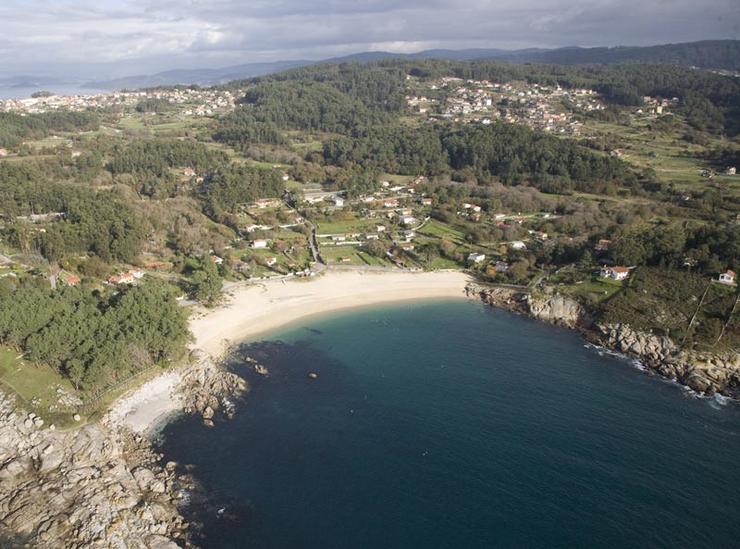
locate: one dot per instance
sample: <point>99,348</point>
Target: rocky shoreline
<point>86,487</point>
<point>101,485</point>
<point>704,373</point>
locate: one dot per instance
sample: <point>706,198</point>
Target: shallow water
<point>449,424</point>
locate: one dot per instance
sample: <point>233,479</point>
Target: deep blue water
<point>452,425</point>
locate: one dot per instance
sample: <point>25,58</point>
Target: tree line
<point>15,128</point>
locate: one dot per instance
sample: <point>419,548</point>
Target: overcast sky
<point>105,38</point>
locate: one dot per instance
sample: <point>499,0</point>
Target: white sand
<point>142,408</point>
<point>255,308</point>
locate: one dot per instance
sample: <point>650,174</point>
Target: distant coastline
<point>25,92</point>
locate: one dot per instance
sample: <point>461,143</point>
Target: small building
<point>731,170</point>
<point>728,278</point>
<point>425,201</point>
<point>615,273</point>
<point>603,245</point>
<point>122,278</point>
<point>338,201</point>
<point>407,220</point>
<point>259,244</point>
<point>270,261</point>
<point>475,257</point>
<point>517,245</point>
<point>263,203</point>
<point>501,266</point>
<point>380,228</point>
<point>68,279</point>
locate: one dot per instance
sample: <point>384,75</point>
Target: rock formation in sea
<point>208,387</point>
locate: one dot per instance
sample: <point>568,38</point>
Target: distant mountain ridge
<point>707,54</point>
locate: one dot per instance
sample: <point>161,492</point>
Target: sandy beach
<point>258,308</point>
<point>255,308</point>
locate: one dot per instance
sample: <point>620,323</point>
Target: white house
<point>615,273</point>
<point>728,277</point>
<point>270,261</point>
<point>407,220</point>
<point>474,257</point>
<point>517,245</point>
<point>338,201</point>
<point>259,244</point>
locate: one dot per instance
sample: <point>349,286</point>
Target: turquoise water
<point>449,424</point>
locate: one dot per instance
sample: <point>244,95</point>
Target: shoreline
<point>252,309</point>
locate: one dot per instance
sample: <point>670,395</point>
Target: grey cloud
<point>148,35</point>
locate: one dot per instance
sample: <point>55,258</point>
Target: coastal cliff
<point>705,373</point>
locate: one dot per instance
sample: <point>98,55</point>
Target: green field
<point>674,160</point>
<point>36,386</point>
<point>441,230</point>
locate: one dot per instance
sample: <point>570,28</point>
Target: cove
<point>449,424</point>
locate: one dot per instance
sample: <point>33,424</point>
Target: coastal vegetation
<point>528,176</point>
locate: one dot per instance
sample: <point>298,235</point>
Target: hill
<point>710,54</point>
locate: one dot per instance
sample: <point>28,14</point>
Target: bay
<point>449,424</point>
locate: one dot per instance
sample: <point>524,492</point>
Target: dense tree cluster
<point>100,224</point>
<point>707,249</point>
<point>375,85</point>
<point>97,222</point>
<point>91,338</point>
<point>223,191</point>
<point>205,280</point>
<point>15,128</point>
<point>156,157</point>
<point>153,105</point>
<point>329,98</point>
<point>513,154</point>
<point>391,148</point>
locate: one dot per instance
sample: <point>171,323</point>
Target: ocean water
<point>448,424</point>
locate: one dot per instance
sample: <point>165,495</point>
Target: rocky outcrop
<point>557,309</point>
<point>84,487</point>
<point>504,298</point>
<point>624,339</point>
<point>208,388</point>
<point>702,372</point>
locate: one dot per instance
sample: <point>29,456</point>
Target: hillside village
<point>551,109</point>
<point>188,101</point>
